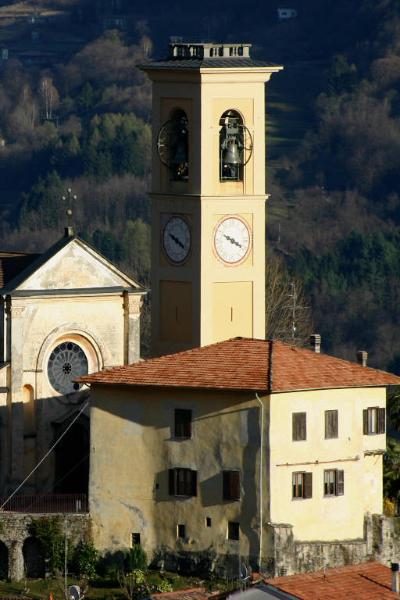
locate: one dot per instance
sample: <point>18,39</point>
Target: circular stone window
<point>67,362</point>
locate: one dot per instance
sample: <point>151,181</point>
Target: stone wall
<point>381,542</point>
<point>15,529</point>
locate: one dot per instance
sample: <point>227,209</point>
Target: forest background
<point>75,113</point>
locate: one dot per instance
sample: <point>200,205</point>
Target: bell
<point>231,154</point>
<point>180,155</point>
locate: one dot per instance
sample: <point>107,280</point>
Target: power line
<point>45,456</point>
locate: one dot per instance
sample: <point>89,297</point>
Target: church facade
<point>65,313</point>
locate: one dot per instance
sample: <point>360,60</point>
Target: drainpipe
<point>261,494</point>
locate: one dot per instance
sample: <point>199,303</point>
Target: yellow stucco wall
<point>203,200</point>
<point>129,479</point>
<point>319,517</point>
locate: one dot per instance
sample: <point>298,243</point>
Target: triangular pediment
<point>73,265</point>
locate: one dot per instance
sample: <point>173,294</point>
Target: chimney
<point>362,358</point>
<point>395,578</point>
<point>315,342</point>
<point>68,232</point>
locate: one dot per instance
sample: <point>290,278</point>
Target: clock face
<point>232,240</point>
<point>66,362</point>
<point>176,239</point>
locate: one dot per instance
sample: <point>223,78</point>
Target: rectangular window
<point>374,420</point>
<point>233,531</point>
<point>135,539</point>
<point>208,521</point>
<point>231,485</point>
<point>331,424</point>
<point>181,531</point>
<point>299,428</point>
<point>333,482</point>
<point>182,482</point>
<point>183,423</point>
<point>301,485</point>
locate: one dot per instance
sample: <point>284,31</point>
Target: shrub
<point>85,559</point>
<point>136,559</point>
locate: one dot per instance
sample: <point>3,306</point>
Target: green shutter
<point>381,420</point>
<point>365,421</point>
<point>339,483</point>
<point>307,490</point>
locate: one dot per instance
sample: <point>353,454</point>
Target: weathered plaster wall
<point>132,448</point>
<point>335,517</point>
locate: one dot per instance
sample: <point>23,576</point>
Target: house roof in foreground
<point>367,581</point>
<point>244,364</point>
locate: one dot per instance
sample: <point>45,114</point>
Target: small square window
<point>183,423</point>
<point>135,539</point>
<point>233,531</point>
<point>374,420</point>
<point>208,521</point>
<point>181,531</point>
<point>301,485</point>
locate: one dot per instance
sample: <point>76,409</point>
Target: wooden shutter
<point>365,421</point>
<point>299,428</point>
<point>193,476</point>
<point>331,424</point>
<point>339,483</point>
<point>171,477</point>
<point>231,485</point>
<point>381,420</point>
<point>307,490</point>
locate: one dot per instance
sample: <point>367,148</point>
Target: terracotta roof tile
<point>367,581</point>
<point>245,364</point>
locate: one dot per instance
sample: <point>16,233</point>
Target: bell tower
<point>208,195</point>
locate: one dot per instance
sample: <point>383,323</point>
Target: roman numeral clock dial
<point>232,240</point>
<point>176,240</point>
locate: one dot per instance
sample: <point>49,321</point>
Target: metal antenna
<point>69,197</point>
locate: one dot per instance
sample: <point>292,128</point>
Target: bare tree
<point>288,315</point>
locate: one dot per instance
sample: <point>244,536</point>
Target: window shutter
<point>303,427</point>
<point>339,483</point>
<point>194,483</point>
<point>381,420</point>
<point>225,485</point>
<point>295,435</point>
<point>365,421</point>
<point>307,492</point>
<point>171,475</point>
<point>235,485</point>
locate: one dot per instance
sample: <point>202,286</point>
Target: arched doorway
<point>33,558</point>
<point>3,561</point>
<point>72,457</point>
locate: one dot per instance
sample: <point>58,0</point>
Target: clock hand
<point>232,240</point>
<point>176,240</point>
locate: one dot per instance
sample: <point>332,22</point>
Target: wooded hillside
<point>75,112</point>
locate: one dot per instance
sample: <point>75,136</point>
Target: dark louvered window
<point>333,482</point>
<point>182,482</point>
<point>183,423</point>
<point>301,485</point>
<point>231,485</point>
<point>299,427</point>
<point>374,420</point>
<point>331,424</point>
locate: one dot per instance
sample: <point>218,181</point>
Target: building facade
<point>65,313</point>
<point>215,455</point>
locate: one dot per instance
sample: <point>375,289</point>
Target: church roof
<point>13,263</point>
<point>243,364</point>
<point>16,267</point>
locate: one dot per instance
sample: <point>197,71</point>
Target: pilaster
<point>132,309</point>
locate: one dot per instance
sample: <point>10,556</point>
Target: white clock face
<point>232,240</point>
<point>176,239</point>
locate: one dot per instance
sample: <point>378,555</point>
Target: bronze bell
<point>231,154</point>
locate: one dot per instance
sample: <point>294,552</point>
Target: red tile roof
<point>368,581</point>
<point>12,263</point>
<point>245,364</point>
